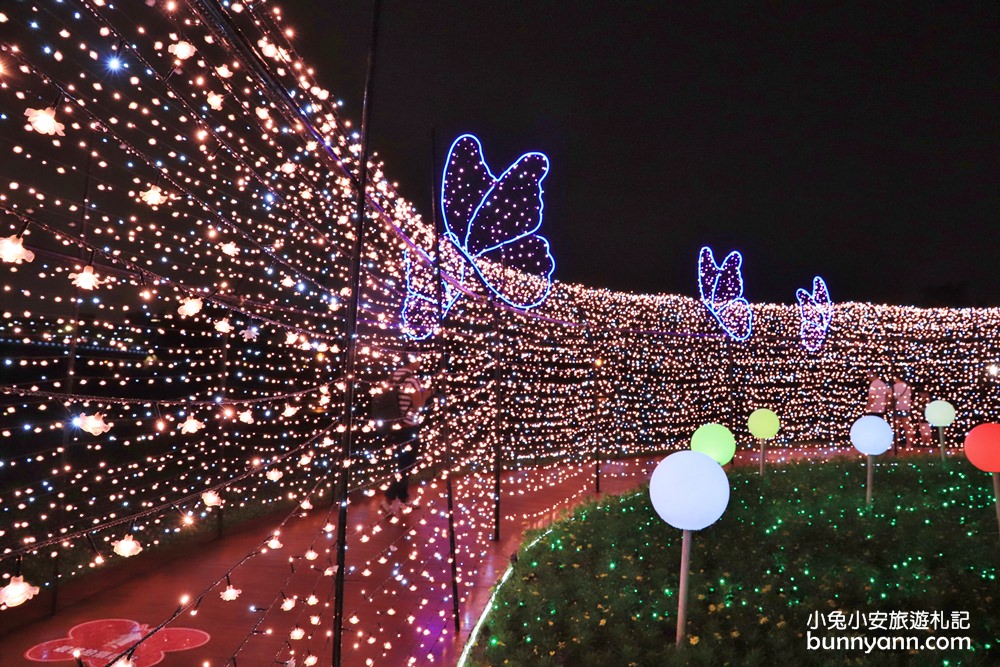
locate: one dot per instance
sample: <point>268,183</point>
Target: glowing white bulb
<point>86,279</point>
<point>192,425</point>
<point>189,306</point>
<point>230,594</point>
<point>211,499</point>
<point>93,424</point>
<point>154,196</point>
<point>182,50</point>
<point>12,250</point>
<point>44,121</point>
<point>17,592</point>
<point>127,547</point>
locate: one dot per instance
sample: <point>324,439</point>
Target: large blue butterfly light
<point>490,227</point>
<point>721,288</point>
<point>816,310</point>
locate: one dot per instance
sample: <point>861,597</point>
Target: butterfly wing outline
<point>493,221</point>
<point>737,319</point>
<point>721,289</point>
<point>816,311</point>
<point>421,315</point>
<point>490,228</point>
<point>100,640</point>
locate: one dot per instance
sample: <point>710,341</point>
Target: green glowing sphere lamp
<point>764,425</point>
<point>716,441</point>
<point>940,414</point>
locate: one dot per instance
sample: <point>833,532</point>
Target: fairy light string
<point>251,220</point>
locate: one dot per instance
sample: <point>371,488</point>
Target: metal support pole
<point>347,421</point>
<point>497,423</point>
<point>762,456</point>
<point>996,495</point>
<point>599,398</point>
<point>871,478</point>
<point>219,521</point>
<point>442,372</point>
<point>683,589</point>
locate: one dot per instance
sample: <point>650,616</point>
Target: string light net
<point>177,217</point>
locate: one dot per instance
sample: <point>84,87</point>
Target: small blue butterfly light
<point>490,227</point>
<point>721,288</point>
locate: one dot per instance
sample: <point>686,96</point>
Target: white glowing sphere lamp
<point>689,490</point>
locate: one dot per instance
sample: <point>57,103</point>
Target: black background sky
<point>857,141</point>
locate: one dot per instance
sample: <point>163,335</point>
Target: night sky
<point>856,141</point>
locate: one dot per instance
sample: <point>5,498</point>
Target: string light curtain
<point>176,197</point>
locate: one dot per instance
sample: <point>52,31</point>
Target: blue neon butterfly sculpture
<point>491,224</point>
<point>816,312</point>
<point>721,287</point>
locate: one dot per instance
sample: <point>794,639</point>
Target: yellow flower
<point>764,619</point>
<point>734,634</point>
<point>693,639</point>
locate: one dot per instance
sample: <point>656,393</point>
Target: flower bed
<point>601,587</point>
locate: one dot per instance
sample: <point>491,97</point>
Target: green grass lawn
<point>600,588</point>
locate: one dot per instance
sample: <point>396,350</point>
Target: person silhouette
<point>405,440</point>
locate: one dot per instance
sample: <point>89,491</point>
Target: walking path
<point>398,606</point>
